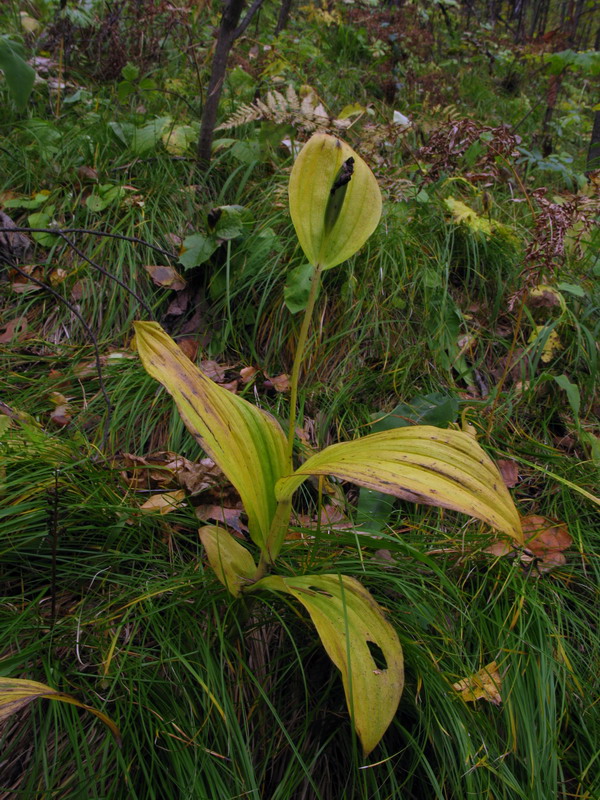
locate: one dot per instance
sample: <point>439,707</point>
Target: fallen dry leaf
<point>78,290</point>
<point>509,471</point>
<point>189,346</point>
<point>87,174</point>
<point>247,374</point>
<point>14,330</point>
<point>57,276</point>
<point>228,516</point>
<point>164,503</point>
<point>61,415</point>
<point>166,469</point>
<point>483,685</point>
<point>20,284</point>
<point>165,276</point>
<point>281,383</point>
<point>545,541</point>
<point>213,371</point>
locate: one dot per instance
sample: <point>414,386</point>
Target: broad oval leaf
<point>16,693</point>
<point>423,464</point>
<point>232,563</point>
<point>244,441</point>
<point>332,221</point>
<point>351,625</point>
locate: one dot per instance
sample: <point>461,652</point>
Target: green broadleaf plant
<point>335,204</point>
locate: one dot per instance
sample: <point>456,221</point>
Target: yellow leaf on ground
<point>551,346</point>
<point>164,503</point>
<point>483,685</point>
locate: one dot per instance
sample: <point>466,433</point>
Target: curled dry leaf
<point>247,374</point>
<point>281,383</point>
<point>165,276</point>
<point>62,412</point>
<point>483,685</point>
<point>57,276</point>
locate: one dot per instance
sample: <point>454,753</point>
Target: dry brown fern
<point>305,113</point>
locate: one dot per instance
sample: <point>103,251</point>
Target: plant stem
<point>308,312</point>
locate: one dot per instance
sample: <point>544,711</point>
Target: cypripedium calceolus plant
<point>335,205</point>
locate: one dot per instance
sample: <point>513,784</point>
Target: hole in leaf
<point>377,655</point>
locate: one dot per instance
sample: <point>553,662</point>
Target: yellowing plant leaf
<point>332,220</point>
<point>483,685</point>
<point>348,620</point>
<point>29,24</point>
<point>232,563</point>
<point>423,464</point>
<point>551,346</point>
<point>462,214</point>
<point>178,139</point>
<point>164,503</point>
<point>245,442</point>
<point>16,693</point>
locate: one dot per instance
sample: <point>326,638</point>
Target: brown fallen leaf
<point>228,516</point>
<point>545,541</point>
<point>509,471</point>
<point>20,284</point>
<point>87,174</point>
<point>164,503</point>
<point>165,276</point>
<point>281,383</point>
<point>14,330</point>
<point>189,346</point>
<point>483,685</point>
<point>247,374</point>
<point>166,469</point>
<point>213,371</point>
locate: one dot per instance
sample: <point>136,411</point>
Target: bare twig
<point>114,278</point>
<point>61,231</point>
<point>89,332</point>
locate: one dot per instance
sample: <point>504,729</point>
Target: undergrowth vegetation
<point>473,305</point>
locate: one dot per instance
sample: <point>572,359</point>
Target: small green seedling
<point>335,204</point>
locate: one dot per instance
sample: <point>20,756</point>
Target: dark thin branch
<point>120,236</point>
<point>105,272</point>
<point>89,332</point>
<point>247,19</point>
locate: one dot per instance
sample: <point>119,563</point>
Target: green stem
<point>308,312</point>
